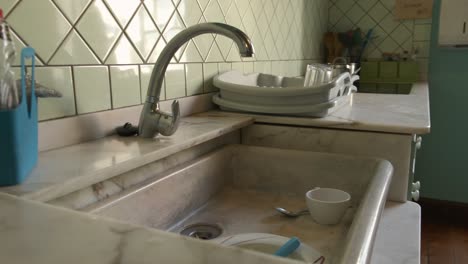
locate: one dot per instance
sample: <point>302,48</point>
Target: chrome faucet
<point>152,119</point>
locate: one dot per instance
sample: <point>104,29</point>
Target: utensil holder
<point>18,133</point>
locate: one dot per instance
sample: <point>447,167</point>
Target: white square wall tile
<point>423,21</point>
<point>18,46</point>
<point>248,67</point>
<point>92,88</point>
<point>175,81</point>
<point>276,68</point>
<point>145,75</point>
<point>125,85</point>
<point>294,68</point>
<point>423,68</point>
<point>237,66</point>
<point>210,70</point>
<point>262,67</point>
<point>60,79</point>
<point>194,77</point>
<point>422,32</point>
<point>224,67</point>
<point>423,47</point>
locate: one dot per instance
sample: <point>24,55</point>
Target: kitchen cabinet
<point>453,30</point>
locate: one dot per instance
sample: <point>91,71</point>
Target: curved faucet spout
<point>150,119</point>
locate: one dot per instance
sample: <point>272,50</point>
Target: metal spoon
<point>291,214</point>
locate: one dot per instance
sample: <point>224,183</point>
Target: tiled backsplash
<point>99,53</point>
<point>393,35</point>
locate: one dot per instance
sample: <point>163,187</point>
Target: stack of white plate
<point>272,94</point>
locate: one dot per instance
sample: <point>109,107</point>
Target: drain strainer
<point>202,231</point>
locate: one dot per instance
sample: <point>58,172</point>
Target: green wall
<point>442,165</point>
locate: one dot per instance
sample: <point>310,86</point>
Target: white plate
<point>269,243</point>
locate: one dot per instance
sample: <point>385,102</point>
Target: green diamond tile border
<point>392,35</point>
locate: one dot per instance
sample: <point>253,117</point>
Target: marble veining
<point>392,113</point>
<point>31,232</point>
<point>68,169</point>
<point>140,176</point>
<point>398,239</point>
<point>240,211</point>
<point>395,148</point>
<point>233,187</point>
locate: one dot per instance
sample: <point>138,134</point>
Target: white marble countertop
<point>64,170</point>
<point>68,169</point>
<point>398,238</point>
<point>390,113</point>
<point>33,232</point>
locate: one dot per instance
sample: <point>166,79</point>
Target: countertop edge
<point>340,119</point>
<point>398,220</point>
<point>116,240</point>
<point>297,121</point>
<point>87,179</point>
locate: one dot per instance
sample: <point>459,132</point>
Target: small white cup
<point>327,206</point>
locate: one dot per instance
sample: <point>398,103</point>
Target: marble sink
<point>237,187</point>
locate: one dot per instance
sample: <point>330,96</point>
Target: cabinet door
<point>414,186</point>
<point>453,30</point>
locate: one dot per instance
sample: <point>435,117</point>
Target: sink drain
<point>202,231</point>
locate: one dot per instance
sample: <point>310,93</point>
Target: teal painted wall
<point>442,165</point>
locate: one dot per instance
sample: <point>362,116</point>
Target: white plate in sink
<point>269,243</point>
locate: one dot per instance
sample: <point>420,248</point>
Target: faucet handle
<point>168,123</point>
<point>175,108</point>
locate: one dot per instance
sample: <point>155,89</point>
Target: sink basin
<point>237,187</point>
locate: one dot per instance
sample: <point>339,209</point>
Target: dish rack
<point>18,135</point>
<point>286,96</point>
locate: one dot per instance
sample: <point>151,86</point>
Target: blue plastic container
<point>18,132</point>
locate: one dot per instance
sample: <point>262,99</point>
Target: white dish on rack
<point>267,90</point>
<point>285,110</point>
<point>271,94</point>
<point>315,110</point>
